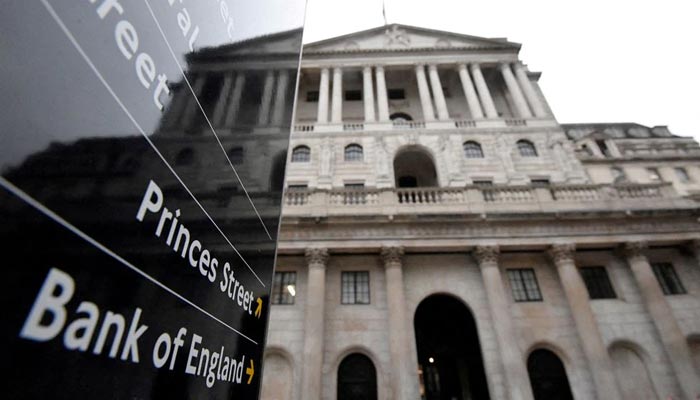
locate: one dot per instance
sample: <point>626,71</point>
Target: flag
<point>384,12</point>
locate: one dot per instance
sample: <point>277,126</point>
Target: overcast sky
<point>601,60</point>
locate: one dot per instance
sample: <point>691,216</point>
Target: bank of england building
<point>445,237</point>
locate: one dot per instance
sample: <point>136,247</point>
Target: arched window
<point>235,154</point>
<point>548,376</point>
<point>357,378</point>
<point>472,149</point>
<point>301,154</point>
<point>185,157</point>
<point>400,117</point>
<point>526,148</point>
<point>353,152</point>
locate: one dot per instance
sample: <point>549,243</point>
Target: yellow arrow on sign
<point>258,311</point>
<point>250,371</point>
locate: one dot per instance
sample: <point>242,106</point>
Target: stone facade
<point>463,177</point>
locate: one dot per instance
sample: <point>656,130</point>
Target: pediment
<point>396,37</point>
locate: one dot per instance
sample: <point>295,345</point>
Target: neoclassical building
<point>445,237</point>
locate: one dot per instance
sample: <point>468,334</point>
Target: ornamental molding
<point>392,255</point>
<point>316,256</point>
<point>562,252</point>
<point>487,254</point>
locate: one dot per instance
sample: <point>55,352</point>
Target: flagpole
<point>384,12</point>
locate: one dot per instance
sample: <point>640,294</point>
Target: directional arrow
<point>250,371</point>
<point>258,311</point>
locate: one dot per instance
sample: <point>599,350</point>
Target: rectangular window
<point>353,95</point>
<point>597,283</point>
<point>284,288</point>
<point>682,174</point>
<point>654,174</point>
<point>523,283</point>
<point>354,287</point>
<point>396,94</point>
<point>483,182</point>
<point>297,188</point>
<point>312,96</point>
<point>668,280</point>
<point>354,185</point>
<point>540,182</point>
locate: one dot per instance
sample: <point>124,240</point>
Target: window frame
<point>312,96</point>
<point>472,149</point>
<point>354,152</point>
<point>352,95</point>
<point>682,174</point>
<point>527,148</point>
<point>355,285</point>
<point>297,152</point>
<point>278,293</point>
<point>665,273</point>
<point>592,276</point>
<point>518,292</point>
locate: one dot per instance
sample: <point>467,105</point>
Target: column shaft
<point>666,324</point>
<point>368,93</point>
<point>337,99</point>
<point>483,90</point>
<point>322,116</point>
<point>382,100</point>
<point>192,107</point>
<point>313,324</point>
<point>438,94</point>
<point>280,105</point>
<point>266,101</point>
<point>518,386</point>
<point>470,93</point>
<point>586,325</point>
<point>235,101</point>
<point>529,91</point>
<point>423,91</point>
<point>515,93</point>
<point>218,118</point>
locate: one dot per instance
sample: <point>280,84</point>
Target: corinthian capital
<point>316,256</point>
<point>562,252</point>
<point>635,249</point>
<point>487,254</point>
<point>392,255</point>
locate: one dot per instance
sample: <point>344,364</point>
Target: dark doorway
<point>357,378</point>
<point>449,353</point>
<point>413,167</point>
<point>548,376</point>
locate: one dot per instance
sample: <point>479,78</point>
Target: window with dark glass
<point>301,154</point>
<point>682,174</point>
<point>354,287</point>
<point>483,182</point>
<point>597,282</point>
<point>603,147</point>
<point>526,148</point>
<point>472,150</point>
<point>353,95</point>
<point>235,154</point>
<point>284,287</point>
<point>396,94</point>
<point>312,96</point>
<point>618,175</point>
<point>523,283</point>
<point>353,152</point>
<point>668,280</point>
<point>540,182</point>
<point>185,157</point>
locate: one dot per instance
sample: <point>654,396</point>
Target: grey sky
<point>601,60</point>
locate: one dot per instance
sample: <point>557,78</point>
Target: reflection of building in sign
<point>505,258</point>
<point>246,90</point>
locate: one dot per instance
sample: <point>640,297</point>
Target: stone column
<point>218,118</point>
<point>266,101</point>
<point>280,105</point>
<point>192,107</point>
<point>586,325</point>
<point>322,116</point>
<point>368,93</point>
<point>337,98</point>
<point>470,92</point>
<point>312,372</point>
<point>403,376</point>
<point>424,93</point>
<point>529,91</point>
<point>234,102</point>
<point>662,315</point>
<point>483,90</point>
<point>515,93</point>
<point>518,383</point>
<point>382,100</point>
<point>438,94</point>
